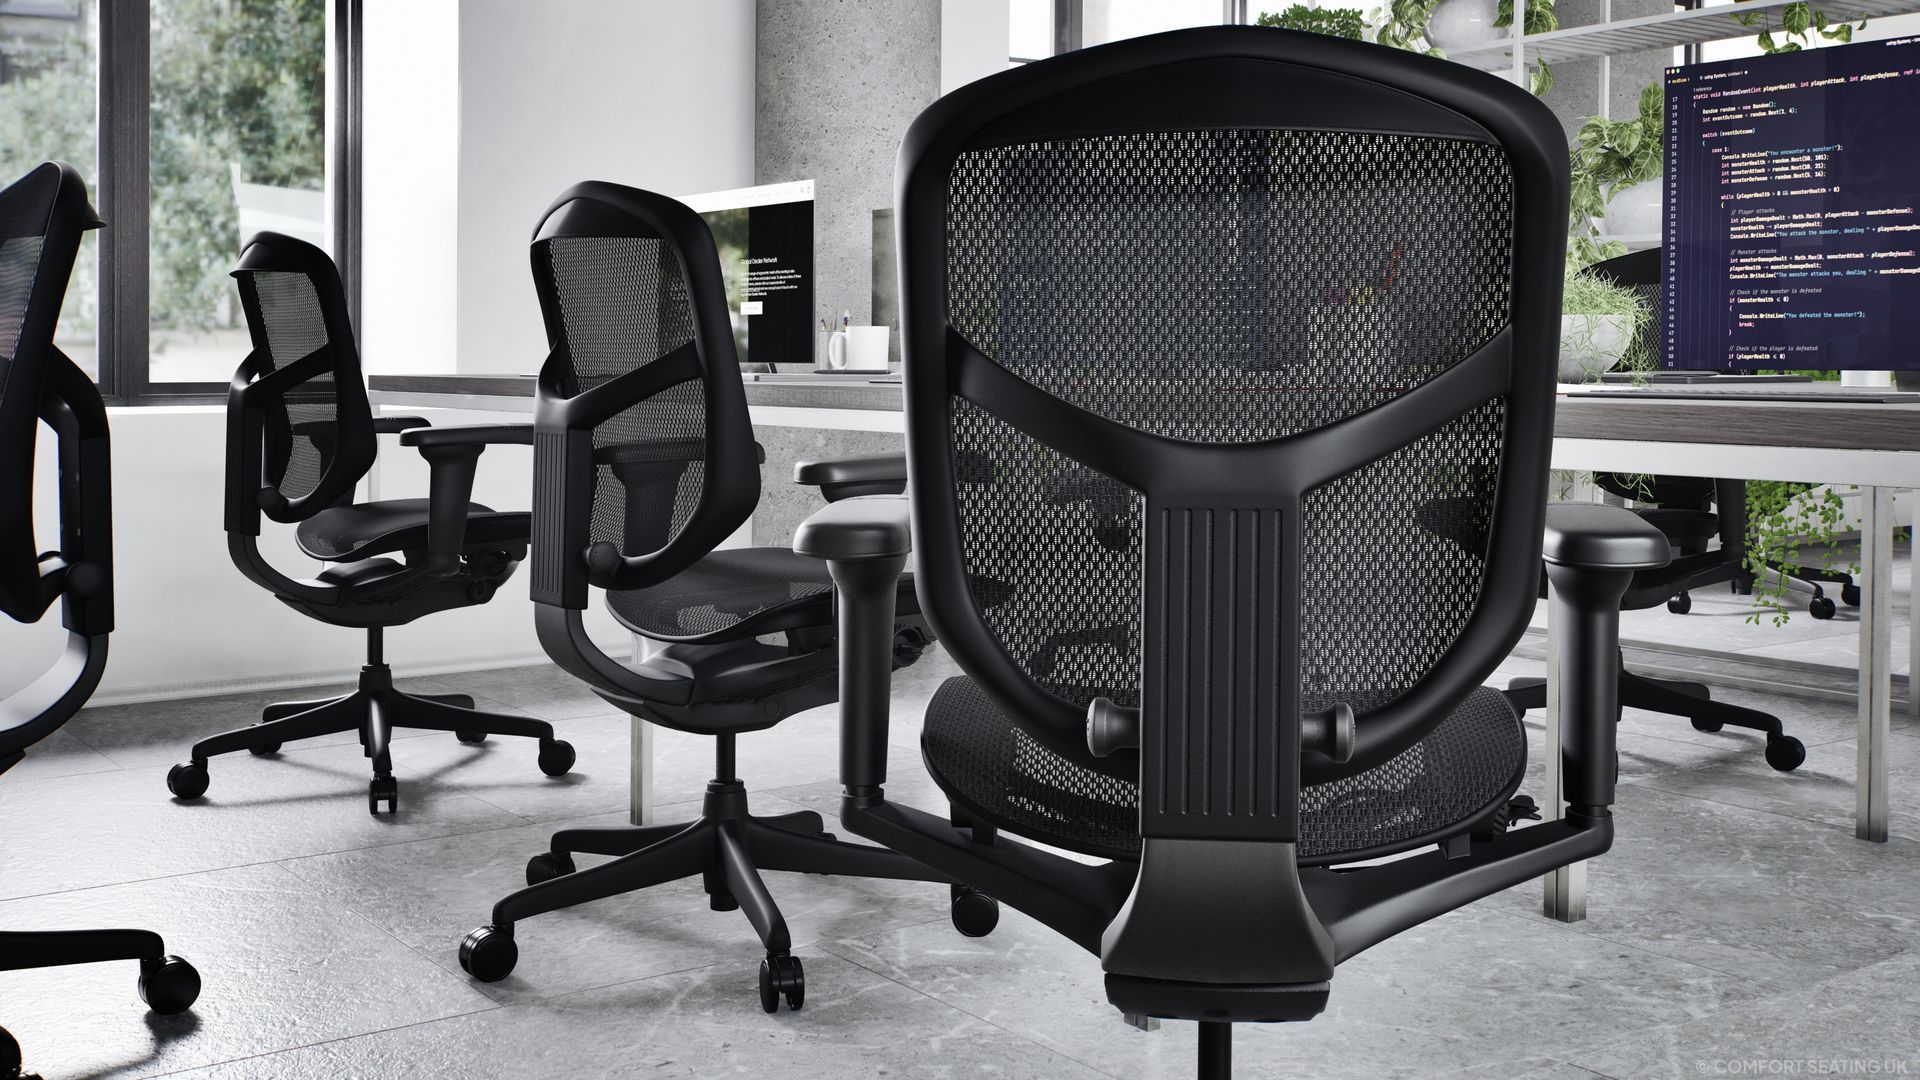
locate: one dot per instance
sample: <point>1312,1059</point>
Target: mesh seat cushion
<point>727,588</point>
<point>363,529</point>
<point>1470,763</point>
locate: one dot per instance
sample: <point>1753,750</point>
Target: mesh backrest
<point>25,208</point>
<point>1229,286</point>
<point>294,327</point>
<point>623,304</point>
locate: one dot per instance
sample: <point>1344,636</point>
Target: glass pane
<point>1030,30</point>
<point>238,145</point>
<point>48,78</point>
<point>1112,20</point>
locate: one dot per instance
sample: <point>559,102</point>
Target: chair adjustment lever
<point>1111,727</point>
<point>1329,731</point>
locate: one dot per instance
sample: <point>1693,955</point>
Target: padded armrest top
<point>865,469</point>
<point>872,527</point>
<point>469,435</point>
<point>394,425</point>
<point>1603,538</point>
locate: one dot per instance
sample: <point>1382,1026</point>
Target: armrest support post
<point>864,596</point>
<point>450,493</point>
<point>1584,611</point>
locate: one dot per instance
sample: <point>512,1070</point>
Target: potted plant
<point>1600,323</point>
<point>1347,23</point>
<point>1616,170</point>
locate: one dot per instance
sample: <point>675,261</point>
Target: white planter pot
<point>1463,24</point>
<point>1633,210</point>
<point>1591,345</point>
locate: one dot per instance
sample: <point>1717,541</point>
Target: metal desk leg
<point>1876,690</point>
<point>1566,888</point>
<point>640,751</point>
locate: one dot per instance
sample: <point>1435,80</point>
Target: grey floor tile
<point>280,967</point>
<point>123,826</point>
<point>692,1024</point>
<point>60,754</point>
<point>1864,1023</point>
<point>1760,895</point>
<point>506,772</point>
<point>1438,1000</point>
<point>429,894</point>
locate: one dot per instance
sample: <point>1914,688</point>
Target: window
<point>196,123</point>
<point>1042,28</point>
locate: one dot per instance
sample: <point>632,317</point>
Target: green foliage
<point>1403,25</point>
<point>1800,25</point>
<point>1591,294</point>
<point>1783,520</point>
<point>1346,23</point>
<point>1540,17</point>
<point>234,81</point>
<point>1607,155</point>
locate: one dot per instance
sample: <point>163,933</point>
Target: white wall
<point>409,145</point>
<point>654,94</point>
<point>973,40</point>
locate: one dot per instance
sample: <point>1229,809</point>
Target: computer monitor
<point>1791,234</point>
<point>765,237</point>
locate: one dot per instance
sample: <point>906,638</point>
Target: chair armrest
<point>394,425</point>
<point>1597,537</point>
<point>453,455</point>
<point>481,435</point>
<point>845,478</point>
<point>1592,553</point>
<point>857,530</point>
<point>865,543</point>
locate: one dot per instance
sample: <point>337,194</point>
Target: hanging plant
<point>1403,25</point>
<point>1346,23</point>
<point>1782,523</point>
<point>1540,17</point>
<point>1799,27</point>
<point>1608,155</point>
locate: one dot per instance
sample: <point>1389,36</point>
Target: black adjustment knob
<point>1111,727</point>
<point>1329,731</point>
<point>86,579</point>
<point>603,558</point>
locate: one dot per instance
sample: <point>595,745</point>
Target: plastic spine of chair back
<point>644,456</point>
<point>300,428</point>
<point>43,216</point>
<point>1245,399</point>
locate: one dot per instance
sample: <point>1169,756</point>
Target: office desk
<point>1876,447</point>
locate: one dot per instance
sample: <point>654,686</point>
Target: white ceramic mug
<point>858,348</point>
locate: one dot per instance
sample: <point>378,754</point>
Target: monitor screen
<point>765,237</point>
<point>1791,237</point>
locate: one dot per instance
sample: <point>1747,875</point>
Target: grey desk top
<point>793,392</point>
<point>1838,425</point>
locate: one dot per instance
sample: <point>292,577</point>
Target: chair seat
<point>1468,766</point>
<point>737,592</point>
<point>363,529</point>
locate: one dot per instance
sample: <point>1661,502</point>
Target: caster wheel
<point>548,865</point>
<point>556,757</point>
<point>9,1056</point>
<point>1785,753</point>
<point>1850,594</point>
<point>1681,604</point>
<point>268,750</point>
<point>1707,725</point>
<point>782,976</point>
<point>975,914</point>
<point>1821,607</point>
<point>383,789</point>
<point>168,985</point>
<point>471,738</point>
<point>488,954</point>
<point>187,781</point>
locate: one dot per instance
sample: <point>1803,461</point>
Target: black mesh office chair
<point>42,218</point>
<point>300,436</point>
<point>1691,512</point>
<point>1230,357</point>
<point>644,463</point>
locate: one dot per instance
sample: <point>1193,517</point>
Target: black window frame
<point>125,87</point>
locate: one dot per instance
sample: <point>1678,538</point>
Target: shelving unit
<point>1613,37</point>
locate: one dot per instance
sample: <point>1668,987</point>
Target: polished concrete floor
<point>1736,928</point>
